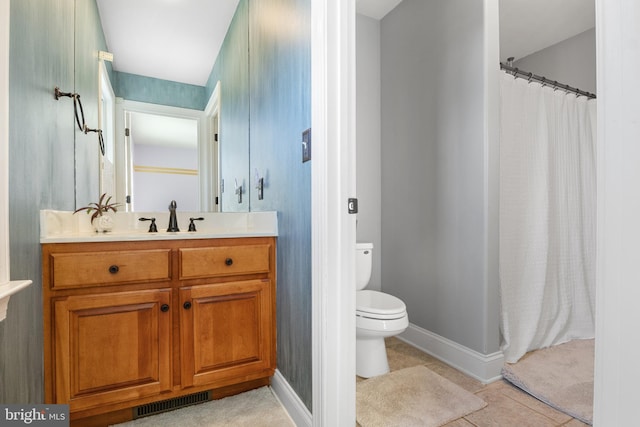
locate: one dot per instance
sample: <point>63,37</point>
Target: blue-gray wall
<point>157,91</point>
<point>44,146</point>
<point>266,99</point>
<point>88,40</point>
<point>280,105</point>
<point>232,70</point>
<point>436,241</point>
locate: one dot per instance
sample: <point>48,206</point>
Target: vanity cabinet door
<point>227,332</point>
<point>112,347</point>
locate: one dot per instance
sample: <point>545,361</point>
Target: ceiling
<point>175,40</point>
<point>376,9</point>
<point>527,26</point>
<point>179,40</point>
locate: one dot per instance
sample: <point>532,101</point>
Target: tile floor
<point>507,406</point>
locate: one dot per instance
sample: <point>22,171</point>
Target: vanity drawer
<point>81,269</point>
<point>223,261</point>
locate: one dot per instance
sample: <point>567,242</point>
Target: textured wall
<point>42,159</point>
<point>232,70</point>
<point>280,104</point>
<point>41,175</point>
<point>47,153</point>
<point>435,234</point>
<point>88,40</point>
<point>157,91</point>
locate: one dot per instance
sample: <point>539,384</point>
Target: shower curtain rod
<point>516,72</point>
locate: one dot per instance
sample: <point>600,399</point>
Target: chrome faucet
<point>173,220</point>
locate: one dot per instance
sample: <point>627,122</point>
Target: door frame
<point>209,157</point>
<point>333,177</point>
<point>618,229</point>
<point>106,122</point>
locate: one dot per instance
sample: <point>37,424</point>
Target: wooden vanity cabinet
<point>111,347</point>
<point>131,323</point>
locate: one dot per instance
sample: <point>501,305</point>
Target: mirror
<point>163,159</point>
<point>217,178</point>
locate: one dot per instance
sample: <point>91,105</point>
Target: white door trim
<point>333,229</point>
<point>209,154</point>
<point>617,348</point>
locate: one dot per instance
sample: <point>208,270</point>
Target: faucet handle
<point>152,227</point>
<point>192,225</point>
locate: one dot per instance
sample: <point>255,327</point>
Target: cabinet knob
<point>114,269</point>
<point>164,308</point>
<point>187,305</point>
<point>228,261</point>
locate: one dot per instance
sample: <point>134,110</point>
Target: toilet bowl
<point>378,316</point>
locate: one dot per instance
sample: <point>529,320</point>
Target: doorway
<point>161,156</point>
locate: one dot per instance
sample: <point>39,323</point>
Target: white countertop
<point>66,227</point>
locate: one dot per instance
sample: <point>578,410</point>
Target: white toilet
<point>378,315</point>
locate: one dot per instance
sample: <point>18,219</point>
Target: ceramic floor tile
<point>507,406</point>
<point>466,382</point>
<point>405,356</point>
<point>459,423</point>
<point>393,341</point>
<point>497,385</point>
<point>535,404</point>
<point>502,411</point>
<point>575,423</point>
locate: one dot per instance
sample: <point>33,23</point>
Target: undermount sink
<point>64,226</point>
<point>8,289</point>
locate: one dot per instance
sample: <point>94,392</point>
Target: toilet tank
<point>363,264</point>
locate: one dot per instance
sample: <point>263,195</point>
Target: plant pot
<point>103,223</point>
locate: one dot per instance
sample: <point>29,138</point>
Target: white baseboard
<point>300,415</point>
<point>484,368</point>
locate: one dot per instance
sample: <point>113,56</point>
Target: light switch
<point>306,145</point>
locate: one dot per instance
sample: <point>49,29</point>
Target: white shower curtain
<point>547,216</point>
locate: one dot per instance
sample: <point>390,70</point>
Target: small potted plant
<point>100,218</point>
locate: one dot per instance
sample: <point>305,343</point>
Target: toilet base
<point>371,357</point>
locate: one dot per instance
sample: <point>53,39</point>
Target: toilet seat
<point>378,305</point>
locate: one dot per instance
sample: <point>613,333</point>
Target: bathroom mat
<point>413,396</point>
<point>253,408</point>
<point>561,376</point>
